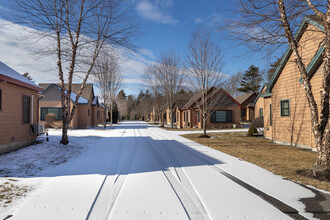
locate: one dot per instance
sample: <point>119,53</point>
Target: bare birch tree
<point>204,64</point>
<point>274,22</point>
<point>78,30</point>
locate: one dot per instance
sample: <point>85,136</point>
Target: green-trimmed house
<point>283,103</point>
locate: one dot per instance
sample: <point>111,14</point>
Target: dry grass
<point>290,162</point>
<point>10,191</point>
<point>197,129</point>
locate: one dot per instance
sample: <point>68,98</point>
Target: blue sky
<point>167,24</point>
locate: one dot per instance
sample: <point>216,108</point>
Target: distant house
<point>89,113</point>
<point>244,100</point>
<point>283,103</point>
<point>18,109</point>
<point>225,113</point>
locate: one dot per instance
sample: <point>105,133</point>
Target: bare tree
<point>170,75</point>
<point>233,83</point>
<point>107,76</point>
<point>204,65</point>
<point>78,30</point>
<point>275,22</point>
<point>151,75</point>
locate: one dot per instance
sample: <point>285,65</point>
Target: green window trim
<point>285,107</point>
<point>270,115</point>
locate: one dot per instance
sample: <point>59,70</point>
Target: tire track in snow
<point>283,207</point>
<point>109,191</point>
<point>180,184</point>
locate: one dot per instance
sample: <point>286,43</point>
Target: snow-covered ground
<point>138,171</point>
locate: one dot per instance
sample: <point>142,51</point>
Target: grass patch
<point>290,162</point>
<point>10,191</point>
<point>198,129</point>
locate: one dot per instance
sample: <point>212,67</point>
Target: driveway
<point>138,171</point>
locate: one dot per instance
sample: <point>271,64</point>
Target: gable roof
<point>86,94</point>
<point>242,98</point>
<point>262,93</point>
<point>12,76</point>
<point>73,95</point>
<point>211,92</point>
<point>316,61</point>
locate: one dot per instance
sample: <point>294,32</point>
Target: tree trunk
<point>65,138</point>
<point>111,113</point>
<point>105,119</point>
<point>171,117</point>
<point>204,126</point>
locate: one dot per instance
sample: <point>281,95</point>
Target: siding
<point>296,128</point>
<point>12,128</point>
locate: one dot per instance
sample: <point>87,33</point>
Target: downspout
<point>31,121</point>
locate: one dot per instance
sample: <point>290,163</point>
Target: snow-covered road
<point>137,171</point>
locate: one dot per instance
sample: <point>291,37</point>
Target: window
<point>285,107</point>
<point>221,116</point>
<point>198,116</point>
<point>174,118</point>
<point>177,115</point>
<point>270,115</point>
<point>243,112</point>
<point>0,99</point>
<point>261,112</point>
<point>184,116</point>
<point>56,111</point>
<point>164,115</point>
<point>26,109</point>
<point>88,112</point>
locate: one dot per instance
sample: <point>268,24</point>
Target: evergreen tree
<point>121,94</point>
<point>272,69</point>
<point>27,75</point>
<point>251,81</point>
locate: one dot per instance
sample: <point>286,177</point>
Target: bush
<point>252,130</point>
<point>258,122</point>
<point>49,119</point>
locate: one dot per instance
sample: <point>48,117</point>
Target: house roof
<point>211,92</point>
<point>73,95</point>
<point>242,98</point>
<point>86,94</point>
<point>315,62</point>
<point>95,100</point>
<point>262,93</point>
<point>12,76</point>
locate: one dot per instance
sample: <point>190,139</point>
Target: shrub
<point>252,130</point>
<point>49,119</point>
<point>258,122</point>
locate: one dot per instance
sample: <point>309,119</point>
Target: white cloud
<point>198,20</point>
<point>152,12</point>
<point>17,46</point>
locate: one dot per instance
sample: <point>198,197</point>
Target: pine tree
<point>272,69</point>
<point>27,75</point>
<point>251,81</point>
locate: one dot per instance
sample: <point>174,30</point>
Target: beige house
<point>18,109</point>
<point>88,113</point>
<point>283,104</point>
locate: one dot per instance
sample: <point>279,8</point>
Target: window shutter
<point>213,117</point>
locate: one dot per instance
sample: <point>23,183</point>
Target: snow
<point>137,171</point>
<point>9,72</point>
